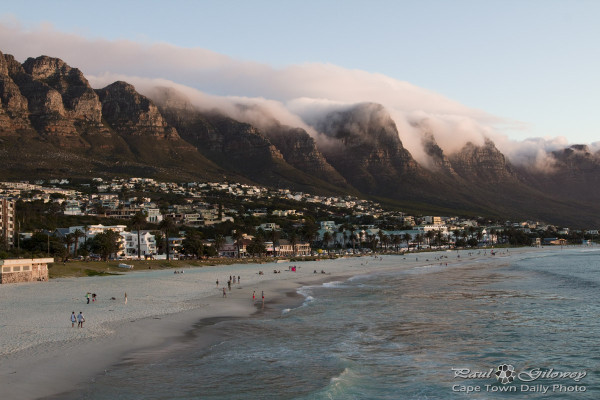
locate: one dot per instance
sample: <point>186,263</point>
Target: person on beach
<point>125,297</point>
<point>239,280</point>
<point>87,296</point>
<point>73,319</point>
<point>228,285</point>
<point>253,296</point>
<point>263,296</point>
<point>93,297</point>
<point>224,292</point>
<point>80,320</point>
<point>217,283</point>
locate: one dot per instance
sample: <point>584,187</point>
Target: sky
<point>523,69</point>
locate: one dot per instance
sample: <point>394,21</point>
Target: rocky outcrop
<point>482,163</point>
<point>13,105</point>
<point>362,143</point>
<point>56,110</point>
<point>79,100</point>
<point>439,161</point>
<point>300,151</point>
<point>129,113</point>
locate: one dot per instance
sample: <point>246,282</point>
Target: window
<point>5,269</point>
<point>17,269</point>
<point>26,267</point>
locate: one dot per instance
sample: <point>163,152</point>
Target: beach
<point>42,355</point>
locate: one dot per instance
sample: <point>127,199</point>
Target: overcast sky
<point>528,68</point>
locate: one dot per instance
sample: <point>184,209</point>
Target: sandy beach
<point>42,355</point>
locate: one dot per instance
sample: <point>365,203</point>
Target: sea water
<point>433,332</point>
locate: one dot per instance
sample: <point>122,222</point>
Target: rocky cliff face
<point>362,143</point>
<point>61,104</point>
<point>129,113</point>
<point>574,175</point>
<point>13,105</point>
<point>439,160</point>
<point>300,151</point>
<point>80,102</point>
<point>482,163</point>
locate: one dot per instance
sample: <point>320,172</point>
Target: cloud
<point>293,94</point>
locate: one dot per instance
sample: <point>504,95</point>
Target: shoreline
<point>54,366</point>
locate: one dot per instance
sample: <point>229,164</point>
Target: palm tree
<point>456,233</point>
<point>352,230</point>
<point>479,235</point>
<point>137,221</point>
<point>326,238</point>
<point>372,239</point>
<point>407,238</point>
<point>429,235</point>
<point>237,236</point>
<point>293,238</point>
<point>219,241</point>
<point>86,228</point>
<point>167,225</point>
<point>68,241</point>
<point>439,237</point>
<point>493,233</point>
<point>396,240</point>
<point>76,235</point>
<point>419,239</point>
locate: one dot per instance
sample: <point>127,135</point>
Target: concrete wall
<point>24,270</point>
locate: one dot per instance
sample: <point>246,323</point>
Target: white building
<point>153,215</point>
<point>147,243</point>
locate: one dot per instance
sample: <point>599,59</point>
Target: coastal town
<point>142,218</point>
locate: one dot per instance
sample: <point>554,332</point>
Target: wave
<point>334,284</point>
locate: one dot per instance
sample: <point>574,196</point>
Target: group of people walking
<point>77,318</point>
<point>232,279</point>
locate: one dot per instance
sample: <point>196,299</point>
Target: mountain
<point>362,143</point>
<point>54,124</point>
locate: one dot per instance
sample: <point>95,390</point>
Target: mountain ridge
<point>53,123</point>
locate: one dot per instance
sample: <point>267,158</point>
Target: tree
<point>439,237</point>
<point>353,236</point>
<point>419,239</point>
<point>293,238</point>
<point>326,238</point>
<point>76,235</point>
<point>44,244</point>
<point>396,240</point>
<point>192,243</point>
<point>167,225</point>
<point>429,235</point>
<point>383,239</point>
<point>137,221</point>
<point>372,242</point>
<point>237,237</point>
<point>257,246</point>
<point>493,233</point>
<point>310,231</point>
<point>407,238</point>
<point>479,235</point>
<point>219,242</point>
<point>106,243</point>
<point>68,241</point>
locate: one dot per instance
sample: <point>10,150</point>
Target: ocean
<point>433,332</point>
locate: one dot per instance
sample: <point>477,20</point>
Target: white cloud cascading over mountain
<point>296,95</point>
